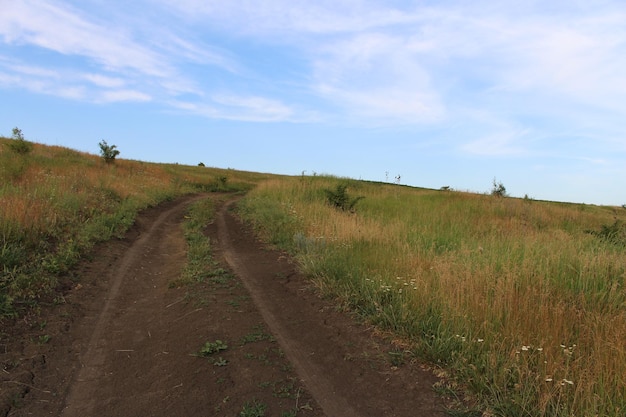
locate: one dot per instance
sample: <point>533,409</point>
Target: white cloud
<point>255,107</point>
<point>379,78</point>
<point>124,95</point>
<point>503,143</point>
<point>357,61</point>
<point>59,28</point>
<point>104,81</point>
<point>240,108</point>
<point>302,16</point>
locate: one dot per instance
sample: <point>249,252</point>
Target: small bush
<point>222,181</point>
<point>613,233</point>
<point>498,190</point>
<point>340,199</point>
<point>108,153</point>
<point>18,144</point>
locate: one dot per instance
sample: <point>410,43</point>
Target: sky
<point>424,93</point>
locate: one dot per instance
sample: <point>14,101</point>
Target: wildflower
<point>525,348</point>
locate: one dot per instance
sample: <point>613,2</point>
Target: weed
<point>256,335</point>
<point>220,362</point>
<point>285,390</point>
<point>210,348</point>
<point>253,409</point>
<point>396,358</point>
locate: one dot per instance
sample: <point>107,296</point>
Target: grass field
<point>524,301</point>
<point>56,203</point>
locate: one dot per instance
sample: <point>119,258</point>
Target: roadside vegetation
<point>56,203</point>
<point>522,302</point>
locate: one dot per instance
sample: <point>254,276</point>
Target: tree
<point>498,190</point>
<point>108,153</point>
<point>18,144</point>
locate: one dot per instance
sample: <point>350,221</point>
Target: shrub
<point>340,199</point>
<point>613,233</point>
<point>108,153</point>
<point>498,190</point>
<point>222,180</point>
<point>19,145</point>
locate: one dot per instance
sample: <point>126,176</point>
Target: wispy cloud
<point>124,95</point>
<point>273,17</point>
<point>104,80</point>
<point>504,143</point>
<point>353,61</point>
<point>242,108</point>
<point>379,78</point>
<point>58,27</point>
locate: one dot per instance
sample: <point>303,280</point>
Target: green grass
<point>522,301</point>
<point>57,203</point>
<point>253,409</point>
<point>200,264</point>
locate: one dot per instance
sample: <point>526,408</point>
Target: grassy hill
<point>56,203</point>
<point>521,302</point>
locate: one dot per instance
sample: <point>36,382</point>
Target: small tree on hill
<point>108,153</point>
<point>498,190</point>
<point>18,144</point>
<point>340,199</point>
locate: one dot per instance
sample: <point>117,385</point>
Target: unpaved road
<point>122,342</point>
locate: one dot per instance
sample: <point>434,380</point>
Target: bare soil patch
<point>118,341</point>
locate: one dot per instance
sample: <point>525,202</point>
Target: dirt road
<point>123,342</point>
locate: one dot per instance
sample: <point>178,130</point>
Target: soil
<point>120,340</point>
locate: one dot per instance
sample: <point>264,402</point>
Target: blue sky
<point>441,93</point>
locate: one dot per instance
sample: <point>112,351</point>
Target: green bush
<point>18,144</point>
<point>340,199</point>
<point>108,153</point>
<point>613,233</point>
<point>498,190</point>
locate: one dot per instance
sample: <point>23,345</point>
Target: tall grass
<point>56,203</point>
<point>516,297</point>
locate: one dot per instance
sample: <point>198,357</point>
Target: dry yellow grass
<point>524,302</point>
